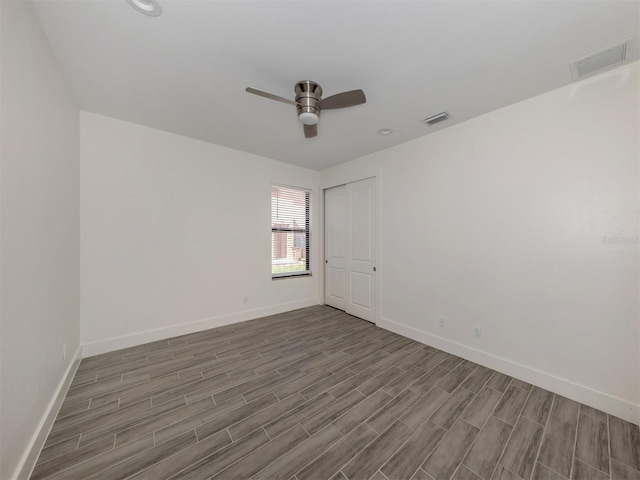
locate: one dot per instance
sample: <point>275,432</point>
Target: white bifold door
<point>350,269</point>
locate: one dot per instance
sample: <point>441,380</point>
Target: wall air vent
<point>436,118</point>
<point>602,60</point>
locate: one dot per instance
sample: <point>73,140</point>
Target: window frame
<point>306,230</point>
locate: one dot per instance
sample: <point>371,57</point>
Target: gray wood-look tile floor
<point>318,394</point>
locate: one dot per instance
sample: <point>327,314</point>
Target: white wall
<point>39,251</point>
<point>501,223</point>
<point>175,232</point>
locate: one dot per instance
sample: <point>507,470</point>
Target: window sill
<point>294,275</point>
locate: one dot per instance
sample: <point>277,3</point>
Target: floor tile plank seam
<point>575,442</point>
<point>245,400</point>
<point>609,448</point>
<point>544,431</point>
<point>471,402</point>
<point>459,417</point>
<point>397,449</point>
<point>466,452</point>
<point>425,456</point>
<point>355,454</point>
<point>586,461</point>
<point>474,441</point>
<point>38,462</point>
<point>228,433</point>
<point>326,447</point>
<point>484,385</point>
<point>62,440</point>
<point>115,433</point>
<point>554,471</point>
<point>462,464</point>
<point>513,428</point>
<point>336,398</point>
<point>512,473</point>
<point>68,467</point>
<point>542,437</point>
<point>73,390</point>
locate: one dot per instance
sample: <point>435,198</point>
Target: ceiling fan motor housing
<point>308,95</point>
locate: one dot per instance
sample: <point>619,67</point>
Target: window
<point>289,232</point>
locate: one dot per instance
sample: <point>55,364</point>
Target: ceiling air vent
<point>436,118</point>
<point>601,61</point>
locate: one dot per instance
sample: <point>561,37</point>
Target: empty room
<point>319,239</point>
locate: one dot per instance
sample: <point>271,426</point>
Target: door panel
<point>350,248</point>
<point>360,290</point>
<point>360,228</point>
<point>360,249</point>
<point>337,283</point>
<point>335,247</point>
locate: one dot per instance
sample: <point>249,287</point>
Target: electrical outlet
<point>477,332</point>
<point>64,351</point>
<point>245,299</point>
<point>442,321</point>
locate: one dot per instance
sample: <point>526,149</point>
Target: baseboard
<point>580,393</point>
<point>28,461</point>
<point>103,346</point>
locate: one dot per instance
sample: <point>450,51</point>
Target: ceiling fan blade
<point>310,131</point>
<point>344,99</point>
<point>271,96</point>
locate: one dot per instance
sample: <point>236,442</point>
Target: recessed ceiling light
<point>385,131</point>
<point>148,7</point>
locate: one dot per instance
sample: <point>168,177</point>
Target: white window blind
<point>290,232</point>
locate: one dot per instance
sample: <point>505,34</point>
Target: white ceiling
<point>186,71</point>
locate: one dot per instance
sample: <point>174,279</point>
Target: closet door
<point>350,248</point>
<point>335,247</point>
<point>360,266</point>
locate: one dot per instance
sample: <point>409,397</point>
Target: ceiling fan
<point>309,102</point>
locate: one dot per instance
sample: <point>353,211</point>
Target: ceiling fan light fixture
<point>308,118</point>
<point>148,7</point>
<point>309,102</point>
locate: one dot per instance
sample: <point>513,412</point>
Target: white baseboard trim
<point>580,393</point>
<point>28,460</point>
<point>109,345</point>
